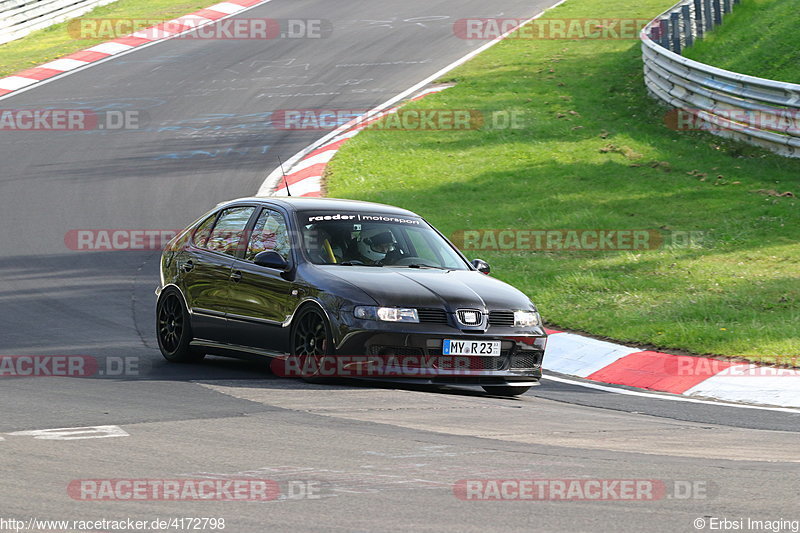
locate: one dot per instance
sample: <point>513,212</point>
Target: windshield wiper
<point>357,263</point>
<point>419,265</point>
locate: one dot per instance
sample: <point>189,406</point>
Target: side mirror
<point>271,260</point>
<point>481,266</point>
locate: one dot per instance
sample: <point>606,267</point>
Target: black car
<point>329,287</point>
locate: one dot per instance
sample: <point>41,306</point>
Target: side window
<point>269,235</point>
<point>228,230</point>
<point>200,237</point>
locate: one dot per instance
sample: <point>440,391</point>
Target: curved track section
<point>382,457</point>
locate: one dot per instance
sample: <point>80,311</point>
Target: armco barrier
<point>758,111</point>
<point>18,18</point>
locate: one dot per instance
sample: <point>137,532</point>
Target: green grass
<point>595,153</point>
<point>55,41</point>
<point>759,38</point>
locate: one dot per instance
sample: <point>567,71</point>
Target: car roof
<point>299,203</point>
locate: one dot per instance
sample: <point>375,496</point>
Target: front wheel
<point>174,330</point>
<point>506,390</point>
<point>312,343</point>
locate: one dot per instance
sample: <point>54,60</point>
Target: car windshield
<point>375,239</point>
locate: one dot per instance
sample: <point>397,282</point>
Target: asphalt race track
<point>375,456</point>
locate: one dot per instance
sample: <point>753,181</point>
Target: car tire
<point>174,329</point>
<point>506,390</point>
<point>312,342</point>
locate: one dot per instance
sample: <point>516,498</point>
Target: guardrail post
<point>698,19</point>
<point>657,32</point>
<point>665,33</point>
<point>675,23</point>
<point>717,12</point>
<point>708,17</point>
<point>687,26</point>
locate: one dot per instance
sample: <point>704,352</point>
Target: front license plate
<point>483,348</point>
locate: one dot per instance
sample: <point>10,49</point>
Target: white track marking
<point>90,432</point>
<point>110,48</point>
<point>226,7</point>
<point>311,184</point>
<point>15,83</point>
<point>318,159</point>
<point>672,398</point>
<point>192,20</point>
<point>575,355</point>
<point>64,64</point>
<point>753,385</point>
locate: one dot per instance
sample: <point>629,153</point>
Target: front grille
<point>470,317</point>
<point>401,351</point>
<point>492,363</point>
<point>432,316</point>
<point>526,360</point>
<point>464,362</point>
<point>503,319</point>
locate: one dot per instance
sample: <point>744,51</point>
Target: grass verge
<point>55,41</point>
<point>594,152</point>
<point>758,38</point>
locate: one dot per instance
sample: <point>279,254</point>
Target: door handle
<point>188,266</point>
<point>236,276</point>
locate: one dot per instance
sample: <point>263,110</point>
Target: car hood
<point>411,287</point>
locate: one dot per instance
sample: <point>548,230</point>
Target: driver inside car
<point>377,245</point>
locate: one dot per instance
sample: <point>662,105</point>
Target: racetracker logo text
<point>222,490</point>
<point>783,366</point>
<point>397,366</point>
<point>581,489</point>
<point>70,120</point>
<point>85,240</point>
<point>398,120</point>
<point>190,27</point>
<point>785,121</point>
<point>68,366</point>
<point>574,240</point>
<point>489,29</point>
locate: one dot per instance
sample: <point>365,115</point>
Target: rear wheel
<point>312,343</point>
<point>174,330</point>
<point>506,390</point>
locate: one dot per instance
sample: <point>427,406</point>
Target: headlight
<point>386,314</point>
<point>526,319</point>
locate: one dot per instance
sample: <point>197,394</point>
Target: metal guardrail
<point>18,18</point>
<point>758,111</point>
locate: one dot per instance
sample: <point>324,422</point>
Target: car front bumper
<point>411,355</point>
